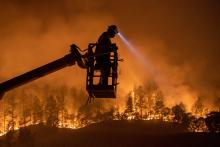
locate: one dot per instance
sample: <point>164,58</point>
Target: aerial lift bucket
<point>94,88</point>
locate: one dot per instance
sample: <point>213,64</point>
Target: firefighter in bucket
<point>103,49</point>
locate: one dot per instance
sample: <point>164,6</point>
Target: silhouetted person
<point>103,53</point>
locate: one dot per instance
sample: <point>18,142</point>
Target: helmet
<point>112,29</point>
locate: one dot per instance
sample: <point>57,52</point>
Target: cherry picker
<point>84,59</point>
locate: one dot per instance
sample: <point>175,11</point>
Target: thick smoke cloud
<point>181,39</point>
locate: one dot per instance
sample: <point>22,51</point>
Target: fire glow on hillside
<point>142,103</point>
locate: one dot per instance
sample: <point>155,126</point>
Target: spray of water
<point>161,79</point>
<point>138,55</point>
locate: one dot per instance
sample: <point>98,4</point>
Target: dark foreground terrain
<point>111,133</point>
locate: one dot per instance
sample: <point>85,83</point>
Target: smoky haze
<point>180,38</point>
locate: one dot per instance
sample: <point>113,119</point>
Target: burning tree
<point>166,113</point>
<point>26,109</point>
<point>198,108</point>
<point>51,112</point>
<point>179,112</point>
<point>61,92</point>
<point>37,110</point>
<point>90,113</point>
<point>140,102</point>
<point>186,119</point>
<point>143,102</point>
<point>130,107</point>
<point>159,104</point>
<point>151,89</point>
<point>10,112</point>
<point>181,116</point>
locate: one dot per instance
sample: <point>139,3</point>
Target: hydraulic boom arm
<point>68,60</point>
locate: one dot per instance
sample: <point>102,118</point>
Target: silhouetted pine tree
<point>51,112</point>
<point>140,102</point>
<point>129,108</point>
<point>129,104</point>
<point>25,109</point>
<point>61,92</point>
<point>159,103</point>
<point>10,110</point>
<point>37,110</point>
<point>151,89</point>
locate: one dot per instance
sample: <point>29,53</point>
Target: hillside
<point>113,133</point>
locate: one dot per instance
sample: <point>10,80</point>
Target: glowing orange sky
<point>180,38</point>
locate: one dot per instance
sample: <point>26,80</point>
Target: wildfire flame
<point>139,106</point>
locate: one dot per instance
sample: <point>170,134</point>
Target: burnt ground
<point>112,134</point>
